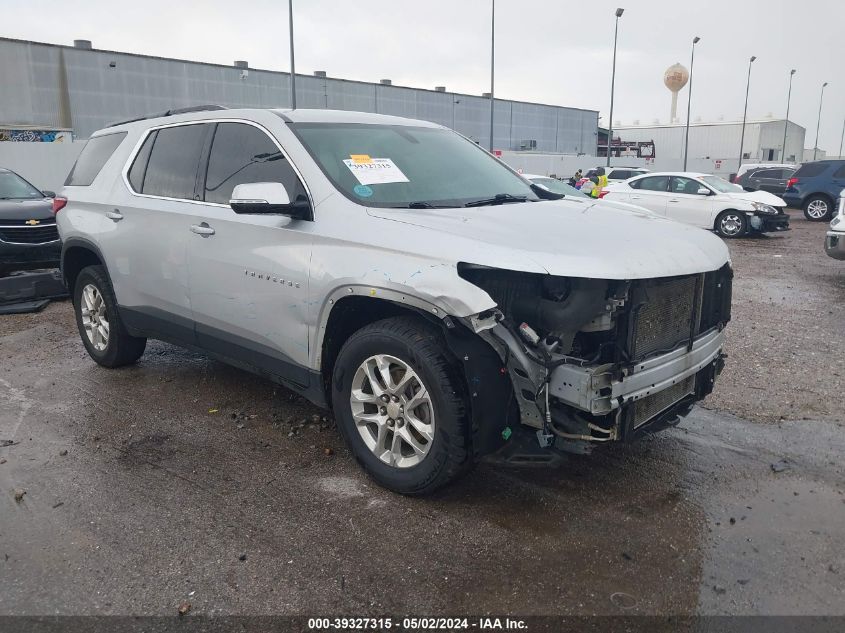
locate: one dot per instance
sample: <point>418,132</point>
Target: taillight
<point>791,182</point>
<point>58,204</point>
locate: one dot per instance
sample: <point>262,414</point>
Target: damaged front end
<point>592,360</point>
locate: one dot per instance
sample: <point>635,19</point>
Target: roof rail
<point>199,108</point>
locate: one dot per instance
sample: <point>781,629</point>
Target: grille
<point>29,235</point>
<point>45,222</point>
<point>647,408</point>
<point>663,321</point>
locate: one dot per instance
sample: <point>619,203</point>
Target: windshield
<point>721,185</point>
<point>13,187</point>
<point>556,186</point>
<point>400,166</point>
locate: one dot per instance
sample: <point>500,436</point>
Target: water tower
<point>675,78</point>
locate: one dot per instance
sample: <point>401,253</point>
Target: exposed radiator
<point>668,312</point>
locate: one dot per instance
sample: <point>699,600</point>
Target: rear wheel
<point>399,401</point>
<point>731,224</point>
<point>818,208</point>
<point>97,317</point>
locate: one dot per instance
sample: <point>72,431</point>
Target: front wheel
<point>731,224</point>
<point>97,317</point>
<point>817,208</point>
<point>400,404</point>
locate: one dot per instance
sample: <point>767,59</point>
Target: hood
<point>757,196</point>
<point>40,209</point>
<point>566,238</point>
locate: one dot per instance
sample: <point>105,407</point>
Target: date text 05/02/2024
<point>417,624</point>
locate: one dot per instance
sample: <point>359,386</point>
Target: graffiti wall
<point>35,136</point>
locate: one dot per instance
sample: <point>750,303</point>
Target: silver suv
<point>389,269</point>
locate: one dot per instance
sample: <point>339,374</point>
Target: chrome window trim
<point>128,165</point>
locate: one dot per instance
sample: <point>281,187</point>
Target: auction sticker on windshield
<point>374,171</point>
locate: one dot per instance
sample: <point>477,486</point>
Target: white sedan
<point>702,200</point>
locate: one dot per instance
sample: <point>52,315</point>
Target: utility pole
<point>695,41</point>
<point>492,65</point>
<point>619,13</point>
<point>292,65</point>
<point>744,114</point>
<point>786,121</point>
<point>819,122</point>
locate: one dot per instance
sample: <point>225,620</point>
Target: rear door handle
<point>202,229</point>
<point>115,215</point>
<point>636,197</point>
<point>674,200</point>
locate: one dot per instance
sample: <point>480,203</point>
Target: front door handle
<point>674,200</point>
<point>115,215</point>
<point>636,197</point>
<point>202,229</point>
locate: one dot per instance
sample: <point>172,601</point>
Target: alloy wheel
<point>393,411</point>
<point>817,209</point>
<point>95,317</point>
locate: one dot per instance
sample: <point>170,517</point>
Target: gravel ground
<point>786,338</point>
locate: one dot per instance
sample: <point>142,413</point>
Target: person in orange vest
<point>599,183</point>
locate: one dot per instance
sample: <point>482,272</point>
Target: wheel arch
<point>721,212</point>
<point>77,253</point>
<point>348,310</point>
<point>818,194</point>
<point>490,397</point>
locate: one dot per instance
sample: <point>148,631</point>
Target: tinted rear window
<point>94,155</point>
<point>174,160</point>
<point>139,165</point>
<point>840,173</point>
<point>652,183</point>
<point>767,173</point>
<point>620,174</point>
<point>811,169</point>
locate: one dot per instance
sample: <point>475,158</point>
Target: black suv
<point>771,179</point>
<point>28,235</point>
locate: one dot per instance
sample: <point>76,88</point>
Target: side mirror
<point>544,193</point>
<point>703,191</point>
<point>267,198</point>
<point>48,194</point>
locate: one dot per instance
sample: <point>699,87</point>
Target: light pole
<point>619,13</point>
<point>842,138</point>
<point>745,113</point>
<point>786,121</point>
<point>819,122</point>
<point>292,65</point>
<point>695,41</point>
<point>492,64</point>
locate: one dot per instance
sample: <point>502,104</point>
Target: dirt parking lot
<point>183,480</point>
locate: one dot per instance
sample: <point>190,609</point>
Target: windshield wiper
<point>422,204</point>
<point>499,198</point>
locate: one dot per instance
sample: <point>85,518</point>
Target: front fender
<point>439,305</point>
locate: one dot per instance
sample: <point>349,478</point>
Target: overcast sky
<point>550,51</point>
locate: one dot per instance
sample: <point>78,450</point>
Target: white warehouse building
<point>718,142</point>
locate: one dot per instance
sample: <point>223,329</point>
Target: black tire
<point>731,224</point>
<point>120,348</point>
<point>816,203</point>
<point>420,345</point>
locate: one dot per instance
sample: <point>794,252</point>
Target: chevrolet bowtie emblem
<point>33,222</point>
